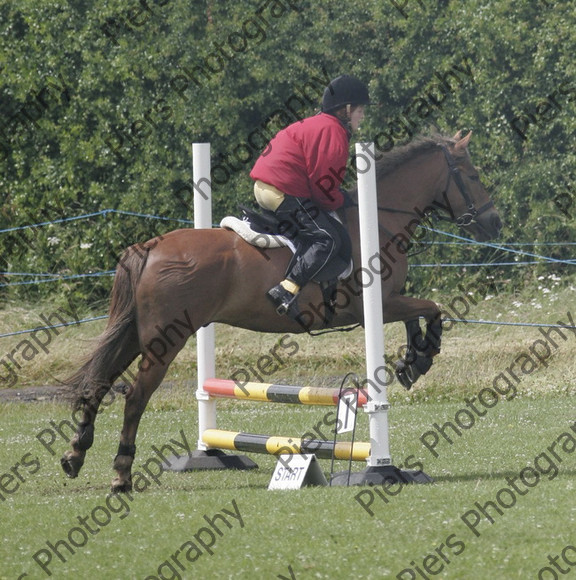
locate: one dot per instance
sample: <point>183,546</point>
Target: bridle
<point>466,219</point>
<point>469,216</point>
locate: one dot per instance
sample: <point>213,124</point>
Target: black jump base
<point>211,459</point>
<point>380,475</point>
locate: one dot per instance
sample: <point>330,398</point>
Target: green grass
<point>317,532</point>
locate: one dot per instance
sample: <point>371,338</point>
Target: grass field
<point>501,505</point>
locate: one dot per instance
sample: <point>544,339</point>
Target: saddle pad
<point>243,229</point>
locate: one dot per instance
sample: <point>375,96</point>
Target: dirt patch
<point>31,394</point>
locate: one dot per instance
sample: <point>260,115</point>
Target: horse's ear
<point>463,143</point>
<point>458,136</point>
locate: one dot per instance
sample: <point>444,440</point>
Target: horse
<point>170,286</point>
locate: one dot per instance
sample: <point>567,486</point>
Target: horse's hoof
<point>119,486</point>
<point>408,371</point>
<point>404,374</point>
<point>71,464</point>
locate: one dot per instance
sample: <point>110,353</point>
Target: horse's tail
<point>118,346</point>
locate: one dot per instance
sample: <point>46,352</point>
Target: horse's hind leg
<point>137,397</point>
<point>73,460</point>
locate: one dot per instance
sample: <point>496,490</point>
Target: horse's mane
<point>391,160</point>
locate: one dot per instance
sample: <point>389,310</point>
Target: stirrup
<point>284,301</point>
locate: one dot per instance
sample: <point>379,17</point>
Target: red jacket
<point>307,159</point>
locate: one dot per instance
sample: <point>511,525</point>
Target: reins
<point>466,219</point>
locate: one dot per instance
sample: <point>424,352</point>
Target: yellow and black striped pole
<point>250,442</point>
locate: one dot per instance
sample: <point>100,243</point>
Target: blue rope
<point>474,264</point>
<point>145,215</point>
<point>95,214</point>
<point>70,219</point>
<point>470,242</point>
<point>56,279</point>
<point>462,241</point>
<point>535,324</point>
<point>23,274</point>
<point>75,322</point>
<point>53,326</point>
<point>504,248</point>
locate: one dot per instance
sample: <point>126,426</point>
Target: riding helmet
<point>344,90</point>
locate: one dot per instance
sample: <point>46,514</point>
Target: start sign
<point>296,471</point>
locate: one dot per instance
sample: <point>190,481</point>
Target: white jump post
<point>203,457</point>
<point>204,336</point>
<point>380,468</point>
<point>377,407</point>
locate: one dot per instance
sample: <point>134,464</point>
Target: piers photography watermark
<point>485,513</point>
<point>121,140</point>
<point>504,386</point>
<point>88,525</point>
<point>201,543</point>
<point>56,91</point>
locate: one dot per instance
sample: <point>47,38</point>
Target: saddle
<point>262,229</point>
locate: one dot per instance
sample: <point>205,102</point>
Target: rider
<point>298,177</point>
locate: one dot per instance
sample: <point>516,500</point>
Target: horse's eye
<point>474,177</point>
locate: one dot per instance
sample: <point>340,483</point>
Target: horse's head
<point>469,202</point>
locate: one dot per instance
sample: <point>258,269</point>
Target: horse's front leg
<point>420,350</point>
<point>421,347</point>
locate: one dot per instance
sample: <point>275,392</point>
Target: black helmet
<point>344,90</point>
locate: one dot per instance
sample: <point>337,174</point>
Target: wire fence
<point>454,240</point>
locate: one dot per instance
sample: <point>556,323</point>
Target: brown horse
<point>167,288</point>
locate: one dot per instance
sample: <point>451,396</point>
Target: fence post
<point>380,468</point>
<point>203,457</point>
<point>205,338</point>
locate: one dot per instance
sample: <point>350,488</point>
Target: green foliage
<point>99,105</point>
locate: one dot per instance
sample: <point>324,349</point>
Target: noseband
<point>469,216</point>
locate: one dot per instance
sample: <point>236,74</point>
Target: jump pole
<point>277,445</point>
<point>205,339</point>
<point>271,393</point>
<point>380,468</point>
<point>203,457</point>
